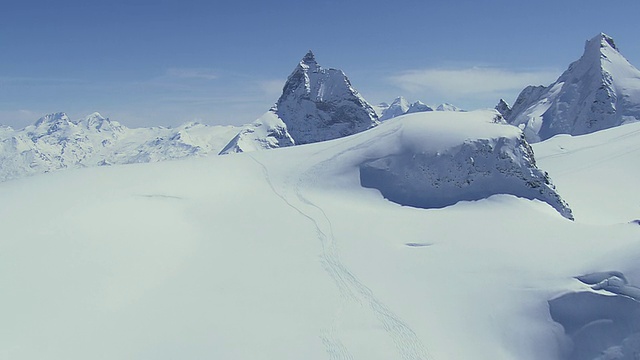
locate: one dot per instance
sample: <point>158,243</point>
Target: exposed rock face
<point>418,106</point>
<point>316,104</point>
<point>319,104</point>
<point>498,161</point>
<point>598,91</point>
<point>504,109</point>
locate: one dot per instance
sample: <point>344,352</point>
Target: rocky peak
<point>598,91</point>
<point>51,119</point>
<point>504,109</point>
<point>399,106</point>
<point>319,104</point>
<point>418,106</point>
<point>601,40</point>
<point>97,122</point>
<point>309,59</point>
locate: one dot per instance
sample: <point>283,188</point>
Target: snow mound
<point>435,162</point>
<point>268,132</point>
<point>602,323</point>
<point>599,91</point>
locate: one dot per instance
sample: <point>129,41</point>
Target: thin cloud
<point>271,88</point>
<point>192,73</point>
<point>18,119</point>
<point>470,82</point>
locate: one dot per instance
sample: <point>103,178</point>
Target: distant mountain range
<point>56,142</point>
<point>400,106</point>
<point>598,91</point>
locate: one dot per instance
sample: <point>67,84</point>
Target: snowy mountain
<point>400,106</point>
<point>599,91</point>
<point>418,106</point>
<point>447,107</point>
<point>55,142</point>
<point>503,108</point>
<point>316,104</point>
<point>170,260</point>
<point>267,132</point>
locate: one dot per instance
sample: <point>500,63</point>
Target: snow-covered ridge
<point>436,159</point>
<point>267,132</point>
<point>316,104</point>
<point>599,91</point>
<point>56,142</point>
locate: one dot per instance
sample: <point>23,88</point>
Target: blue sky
<point>166,62</point>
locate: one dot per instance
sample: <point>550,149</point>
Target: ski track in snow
<point>406,341</point>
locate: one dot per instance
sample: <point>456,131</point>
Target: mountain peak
<point>418,106</point>
<point>601,40</point>
<point>316,104</point>
<point>599,46</point>
<point>309,59</point>
<point>399,100</point>
<point>52,118</point>
<point>598,91</point>
<point>99,123</point>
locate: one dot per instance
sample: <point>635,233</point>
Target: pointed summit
<point>601,40</point>
<point>309,58</point>
<point>316,104</point>
<point>598,91</point>
<point>418,106</point>
<point>319,104</point>
<point>398,107</point>
<point>503,108</point>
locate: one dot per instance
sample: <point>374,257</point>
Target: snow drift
<point>439,159</point>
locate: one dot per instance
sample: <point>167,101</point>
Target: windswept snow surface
<point>284,255</point>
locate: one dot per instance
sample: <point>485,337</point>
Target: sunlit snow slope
<point>284,255</point>
<point>598,91</point>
